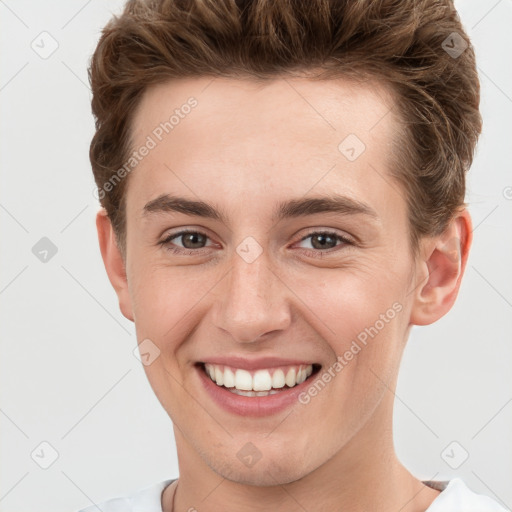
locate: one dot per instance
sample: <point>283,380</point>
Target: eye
<point>192,242</point>
<point>322,241</point>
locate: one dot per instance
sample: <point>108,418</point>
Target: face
<point>296,265</point>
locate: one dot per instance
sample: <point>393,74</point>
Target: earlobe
<point>442,266</point>
<point>113,261</point>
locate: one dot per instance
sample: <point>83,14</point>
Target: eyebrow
<point>292,208</point>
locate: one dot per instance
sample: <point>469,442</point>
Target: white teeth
<point>278,379</point>
<point>290,377</point>
<point>219,376</point>
<point>229,378</point>
<point>262,382</point>
<point>243,380</point>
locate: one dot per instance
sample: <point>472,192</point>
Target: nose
<point>252,301</point>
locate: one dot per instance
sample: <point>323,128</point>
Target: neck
<point>364,474</point>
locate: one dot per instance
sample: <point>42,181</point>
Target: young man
<point>283,187</point>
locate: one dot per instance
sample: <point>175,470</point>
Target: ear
<point>113,261</point>
<point>440,269</point>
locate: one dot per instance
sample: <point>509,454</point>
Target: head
<point>316,153</point>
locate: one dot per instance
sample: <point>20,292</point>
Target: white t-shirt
<point>455,497</point>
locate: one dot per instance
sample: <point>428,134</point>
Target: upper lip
<point>254,364</point>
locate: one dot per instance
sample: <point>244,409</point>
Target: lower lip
<point>252,405</point>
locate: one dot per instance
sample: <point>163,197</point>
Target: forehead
<point>314,109</point>
<point>279,137</point>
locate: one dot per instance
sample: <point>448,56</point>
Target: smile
<point>261,382</point>
<point>255,384</point>
<point>255,387</point>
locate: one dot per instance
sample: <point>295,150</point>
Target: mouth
<point>260,382</point>
<point>255,390</point>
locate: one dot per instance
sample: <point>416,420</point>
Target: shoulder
<point>457,497</point>
<point>147,499</point>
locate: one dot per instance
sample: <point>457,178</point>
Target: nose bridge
<point>251,305</point>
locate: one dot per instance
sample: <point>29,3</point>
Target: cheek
<point>169,303</point>
<point>345,302</point>
<point>362,318</point>
<point>162,295</point>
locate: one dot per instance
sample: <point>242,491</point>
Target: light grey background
<point>68,374</point>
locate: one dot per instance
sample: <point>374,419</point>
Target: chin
<point>278,469</point>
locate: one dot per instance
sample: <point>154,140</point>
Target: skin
<point>245,148</point>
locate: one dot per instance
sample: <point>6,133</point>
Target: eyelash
<point>315,253</point>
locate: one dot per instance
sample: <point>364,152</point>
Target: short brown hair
<point>418,48</point>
